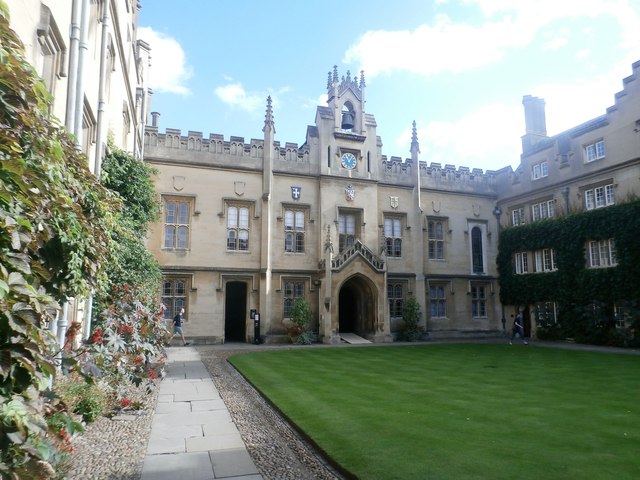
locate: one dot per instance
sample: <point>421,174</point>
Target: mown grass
<point>460,411</point>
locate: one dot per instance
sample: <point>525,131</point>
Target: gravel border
<point>277,450</point>
<point>114,448</point>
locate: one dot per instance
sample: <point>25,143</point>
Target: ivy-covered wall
<point>573,285</point>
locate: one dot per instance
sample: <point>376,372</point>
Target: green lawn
<point>460,411</point>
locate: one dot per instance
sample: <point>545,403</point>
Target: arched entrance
<point>357,307</point>
<point>235,312</point>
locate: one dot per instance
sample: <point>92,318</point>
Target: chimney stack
<point>535,122</point>
<point>154,119</point>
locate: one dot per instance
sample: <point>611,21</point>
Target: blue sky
<point>459,68</point>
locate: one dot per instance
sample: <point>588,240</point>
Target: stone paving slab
<point>219,428</point>
<point>219,441</point>
<point>176,431</point>
<point>157,446</point>
<point>205,405</point>
<point>232,463</point>
<point>187,466</point>
<point>193,436</point>
<point>173,407</point>
<point>173,388</point>
<point>191,418</point>
<point>188,396</point>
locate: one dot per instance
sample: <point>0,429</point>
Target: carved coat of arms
<point>350,193</point>
<point>393,201</point>
<point>179,183</point>
<point>296,192</point>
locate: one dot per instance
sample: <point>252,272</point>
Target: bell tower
<point>346,99</point>
<point>346,134</point>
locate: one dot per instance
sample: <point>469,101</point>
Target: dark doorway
<point>357,307</point>
<point>235,306</point>
<point>348,309</point>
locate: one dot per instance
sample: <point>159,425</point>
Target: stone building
<point>91,61</point>
<point>96,70</point>
<point>592,166</point>
<point>248,227</point>
<point>251,226</point>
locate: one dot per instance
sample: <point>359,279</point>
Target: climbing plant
<point>55,224</point>
<point>573,286</point>
<point>132,264</point>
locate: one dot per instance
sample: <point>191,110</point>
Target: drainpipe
<point>53,328</point>
<point>62,331</point>
<point>75,103</point>
<point>74,40</point>
<point>87,321</point>
<point>100,127</point>
<point>83,49</point>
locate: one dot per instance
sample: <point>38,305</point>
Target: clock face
<point>349,160</point>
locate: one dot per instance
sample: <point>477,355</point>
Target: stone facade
<point>593,165</point>
<point>356,233</point>
<point>88,54</point>
<point>96,70</point>
<point>334,221</point>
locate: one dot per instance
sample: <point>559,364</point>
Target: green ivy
<point>131,262</point>
<point>55,234</point>
<point>573,286</point>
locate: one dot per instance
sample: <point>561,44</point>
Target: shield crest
<point>178,183</point>
<point>393,201</point>
<point>296,192</point>
<point>350,193</point>
<point>238,187</point>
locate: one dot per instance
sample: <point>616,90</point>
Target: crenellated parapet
<point>436,175</point>
<point>216,147</point>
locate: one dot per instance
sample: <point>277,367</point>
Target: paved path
<point>192,434</point>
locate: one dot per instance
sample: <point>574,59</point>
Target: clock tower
<point>346,134</point>
<point>347,149</point>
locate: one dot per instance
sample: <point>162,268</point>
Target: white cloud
<point>314,102</point>
<point>447,46</point>
<point>235,95</point>
<point>584,53</point>
<point>429,50</point>
<point>487,138</point>
<point>556,43</point>
<point>169,71</point>
<point>565,103</point>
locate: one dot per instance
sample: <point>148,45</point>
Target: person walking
<point>518,327</point>
<point>177,328</point>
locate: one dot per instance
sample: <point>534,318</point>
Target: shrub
<point>411,314</point>
<point>126,347</point>
<point>82,397</point>
<point>301,316</point>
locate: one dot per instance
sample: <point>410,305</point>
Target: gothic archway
<point>357,307</point>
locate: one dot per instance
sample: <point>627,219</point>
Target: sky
<point>458,68</point>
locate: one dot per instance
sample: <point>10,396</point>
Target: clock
<point>348,160</point>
